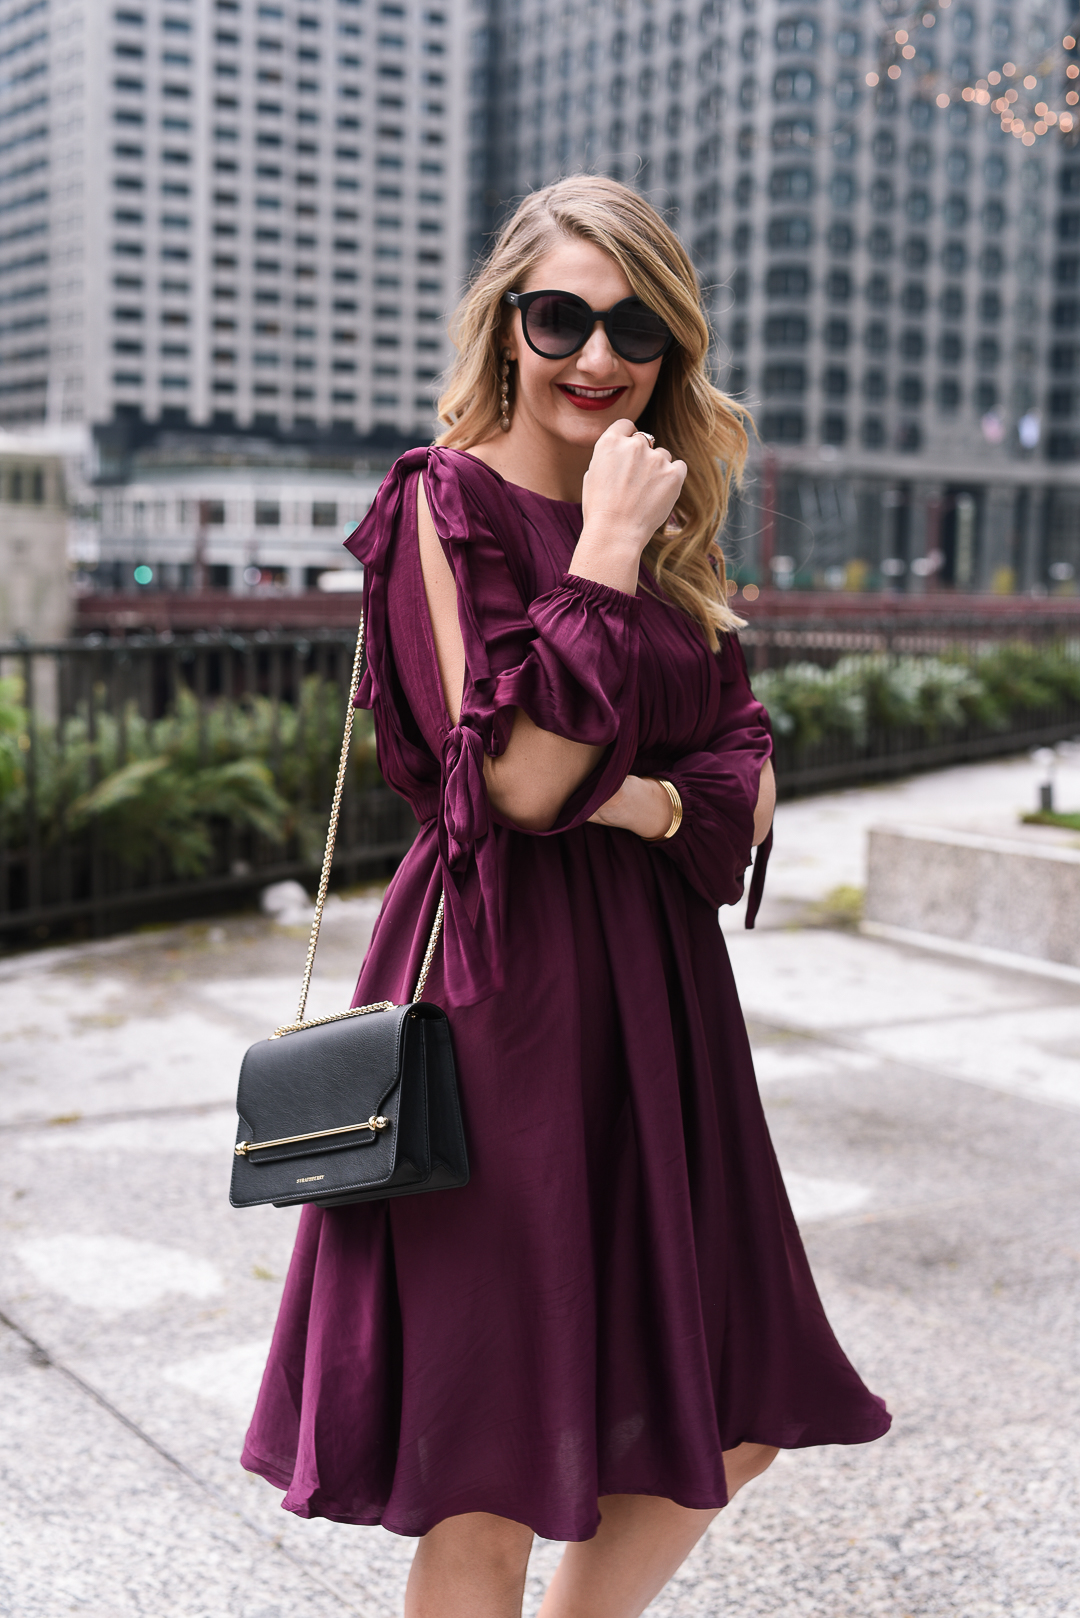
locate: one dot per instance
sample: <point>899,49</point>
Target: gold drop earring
<point>504,391</point>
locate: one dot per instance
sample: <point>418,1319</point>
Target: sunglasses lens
<point>556,325</point>
<point>636,333</point>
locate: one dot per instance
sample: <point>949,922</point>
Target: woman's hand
<point>640,806</point>
<point>629,492</point>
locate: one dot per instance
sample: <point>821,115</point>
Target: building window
<point>835,381</point>
<point>880,242</point>
<point>783,427</point>
<point>787,133</point>
<point>873,432</point>
<point>881,195</point>
<point>784,378</point>
<point>797,84</point>
<point>952,302</point>
<point>956,212</point>
<point>795,34</point>
<point>877,291</point>
<point>786,330</point>
<point>948,395</point>
<point>787,281</point>
<point>791,185</point>
<point>874,385</point>
<point>790,232</point>
<point>919,158</point>
<point>834,429</point>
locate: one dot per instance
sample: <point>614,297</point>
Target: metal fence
<point>78,714</point>
<point>824,637</point>
<point>843,760</point>
<point>80,710</point>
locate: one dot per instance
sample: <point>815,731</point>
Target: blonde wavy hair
<point>688,415</point>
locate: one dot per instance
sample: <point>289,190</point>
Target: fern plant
<point>158,787</point>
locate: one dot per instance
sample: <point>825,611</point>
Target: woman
<point>613,1327</point>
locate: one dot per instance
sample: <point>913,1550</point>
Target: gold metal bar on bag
<point>243,1147</point>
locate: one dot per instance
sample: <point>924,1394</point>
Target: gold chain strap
<point>324,883</point>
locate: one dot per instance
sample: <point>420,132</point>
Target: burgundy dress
<point>620,1293</point>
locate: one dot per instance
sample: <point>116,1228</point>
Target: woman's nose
<point>597,355</point>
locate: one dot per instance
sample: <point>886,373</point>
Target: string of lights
<point>1017,93</point>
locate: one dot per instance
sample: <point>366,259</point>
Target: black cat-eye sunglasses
<point>557,324</point>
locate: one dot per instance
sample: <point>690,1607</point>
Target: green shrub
<point>876,691</point>
<point>157,787</point>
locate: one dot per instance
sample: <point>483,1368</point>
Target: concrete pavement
<point>927,1116</point>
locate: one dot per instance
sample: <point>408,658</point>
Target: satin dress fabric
<point>620,1293</point>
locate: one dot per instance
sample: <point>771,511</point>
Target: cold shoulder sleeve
<point>719,788</point>
<point>566,653</point>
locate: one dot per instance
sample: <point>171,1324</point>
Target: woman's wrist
<point>640,806</point>
<point>674,803</point>
<point>608,559</point>
<point>650,808</point>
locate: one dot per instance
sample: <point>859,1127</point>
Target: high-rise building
<point>869,195</point>
<point>233,213</point>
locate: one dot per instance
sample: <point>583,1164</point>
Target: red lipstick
<point>584,403</point>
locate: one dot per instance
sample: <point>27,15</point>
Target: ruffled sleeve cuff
<point>579,676</point>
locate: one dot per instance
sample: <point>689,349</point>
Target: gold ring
<point>651,440</point>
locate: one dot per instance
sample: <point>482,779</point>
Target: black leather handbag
<point>353,1107</point>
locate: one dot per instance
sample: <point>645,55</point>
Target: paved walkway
<point>927,1116</point>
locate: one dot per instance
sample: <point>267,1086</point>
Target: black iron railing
<point>149,778</point>
<point>837,761</point>
<point>826,636</point>
<point>146,779</point>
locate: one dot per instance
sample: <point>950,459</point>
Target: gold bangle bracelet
<point>676,809</point>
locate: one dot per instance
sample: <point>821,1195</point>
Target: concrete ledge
<point>1015,898</point>
<point>959,950</point>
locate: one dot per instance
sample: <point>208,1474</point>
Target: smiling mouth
<point>590,398</point>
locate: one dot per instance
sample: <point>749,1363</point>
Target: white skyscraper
<point>228,212</point>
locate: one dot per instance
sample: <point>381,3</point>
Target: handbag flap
<point>329,1077</point>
